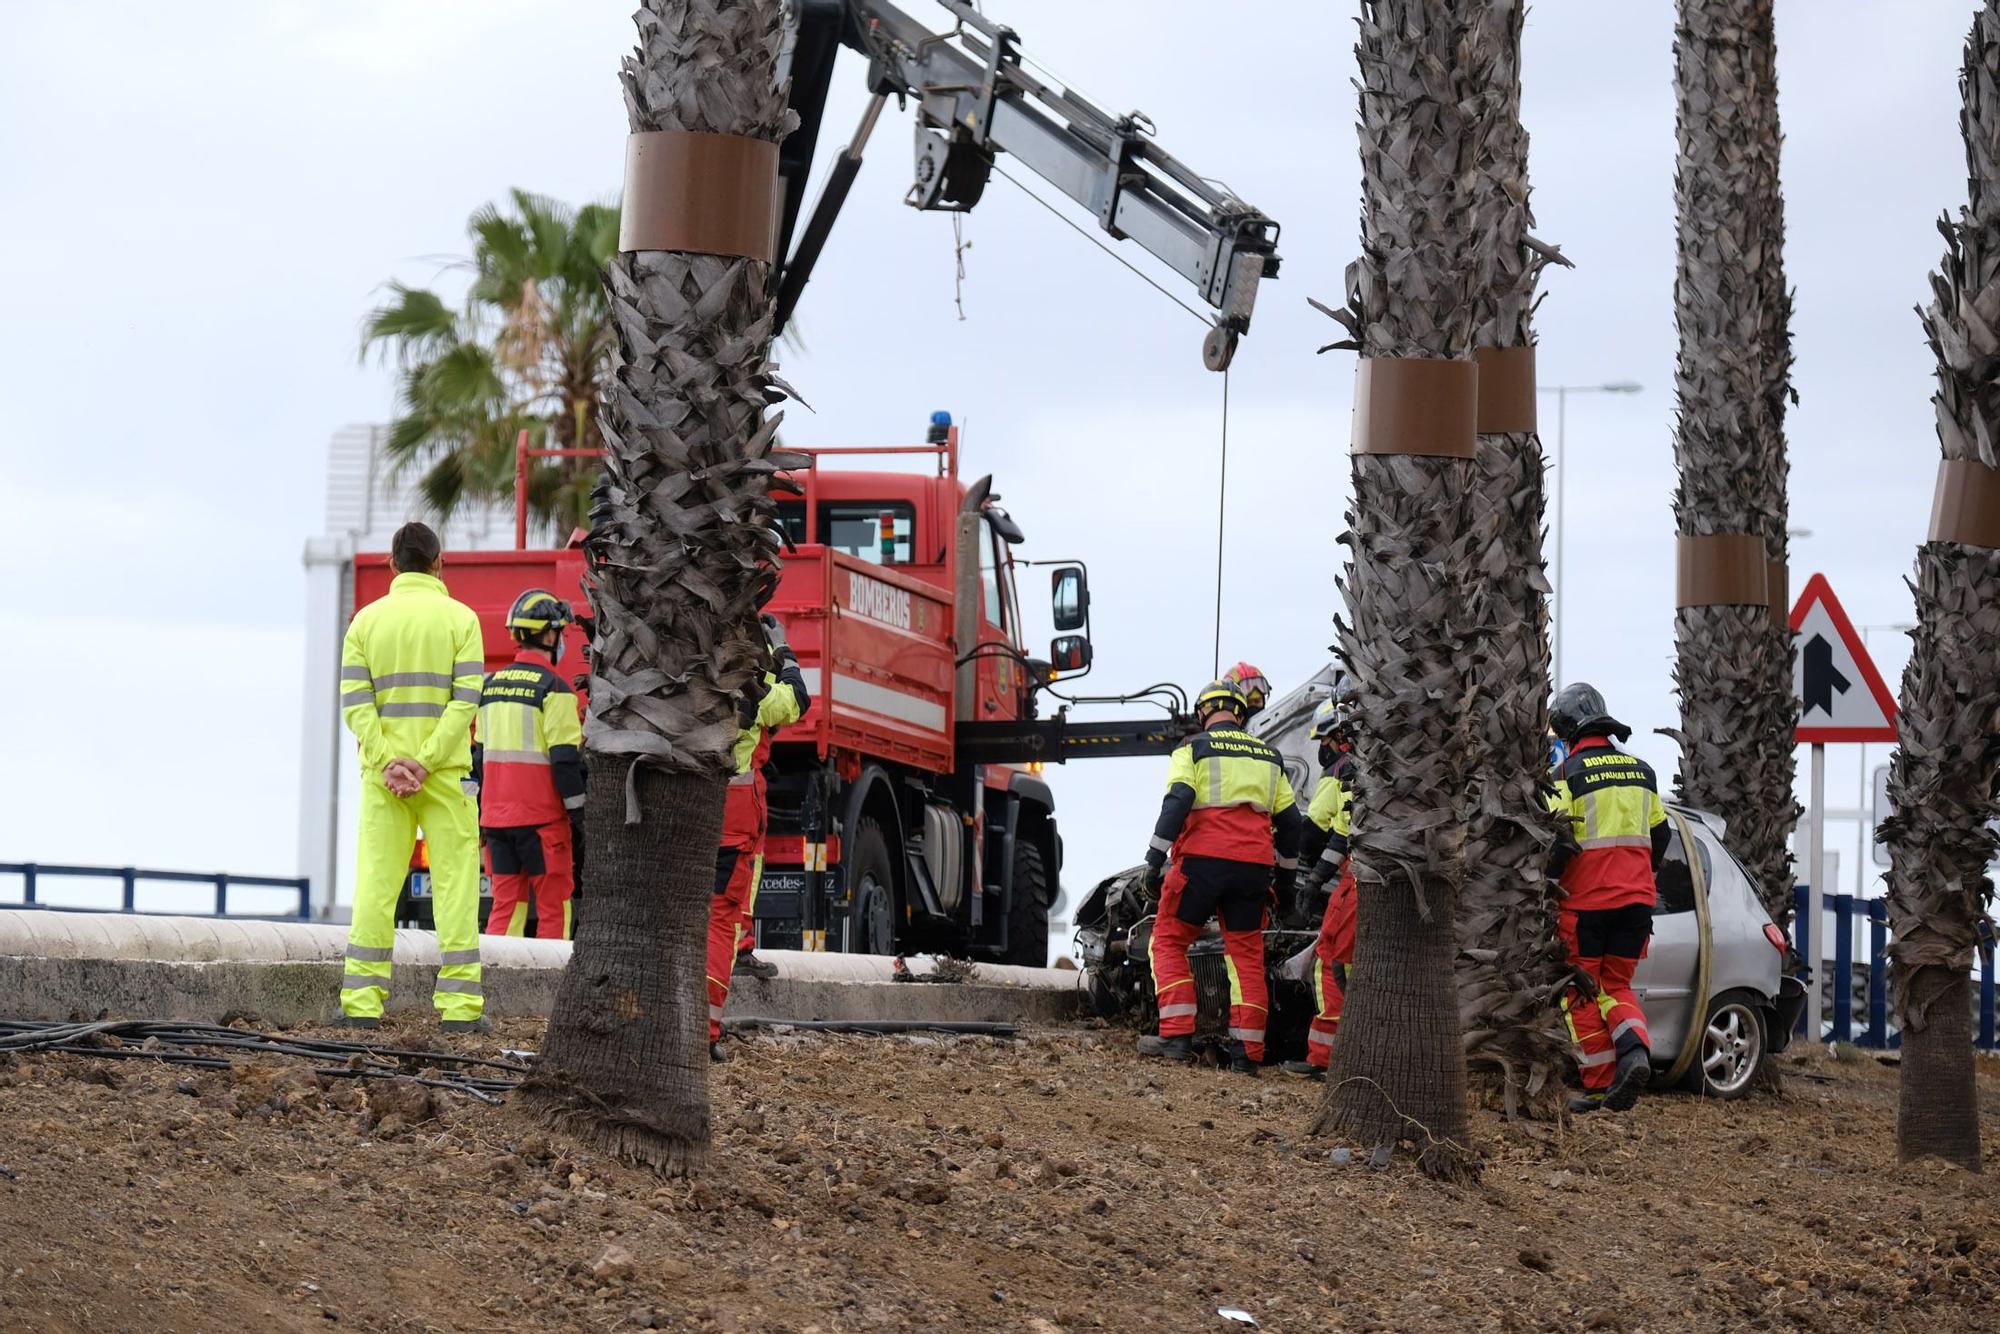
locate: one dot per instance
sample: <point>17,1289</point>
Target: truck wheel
<point>871,921</point>
<point>1028,910</point>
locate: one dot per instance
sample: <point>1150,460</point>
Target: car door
<point>1665,979</point>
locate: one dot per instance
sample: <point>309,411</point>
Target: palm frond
<point>418,324</point>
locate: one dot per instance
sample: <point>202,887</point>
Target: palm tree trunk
<point>1428,103</point>
<point>1510,964</point>
<point>1941,776</point>
<point>1733,664</point>
<point>1941,779</point>
<point>682,554</point>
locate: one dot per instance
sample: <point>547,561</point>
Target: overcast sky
<point>202,200</point>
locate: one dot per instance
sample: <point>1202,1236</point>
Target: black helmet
<point>1579,711</point>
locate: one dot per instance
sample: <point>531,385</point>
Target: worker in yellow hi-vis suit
<point>410,677</point>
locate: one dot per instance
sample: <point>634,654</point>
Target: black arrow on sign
<point>1823,679</point>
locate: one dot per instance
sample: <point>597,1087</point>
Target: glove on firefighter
<point>774,635</point>
<point>1151,881</point>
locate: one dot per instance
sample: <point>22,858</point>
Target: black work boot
<point>716,1055</point>
<point>1635,1071</point>
<point>1304,1069</point>
<point>749,965</point>
<point>480,1025</point>
<point>367,1021</point>
<point>1178,1049</point>
<point>1239,1064</point>
<point>1581,1104</point>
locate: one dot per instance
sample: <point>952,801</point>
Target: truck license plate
<point>420,884</point>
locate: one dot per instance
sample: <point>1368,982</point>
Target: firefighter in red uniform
<point>776,699</point>
<point>1228,816</point>
<point>1329,825</point>
<point>529,765</point>
<point>1608,891</point>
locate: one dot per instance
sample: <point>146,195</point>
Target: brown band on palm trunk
<point>710,194</point>
<point>1416,405</point>
<point>1506,390</point>
<point>1778,575</point>
<point>1721,570</point>
<point>1966,507</point>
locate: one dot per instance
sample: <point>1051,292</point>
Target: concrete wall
<point>57,965</point>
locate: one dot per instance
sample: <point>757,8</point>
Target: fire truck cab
<point>887,834</point>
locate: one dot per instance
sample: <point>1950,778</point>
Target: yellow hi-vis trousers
<point>450,821</point>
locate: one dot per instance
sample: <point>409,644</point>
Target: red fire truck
<point>908,811</point>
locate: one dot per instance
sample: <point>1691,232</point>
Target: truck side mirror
<point>1069,653</point>
<point>1069,596</point>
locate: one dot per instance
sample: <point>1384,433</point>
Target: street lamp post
<point>1562,393</point>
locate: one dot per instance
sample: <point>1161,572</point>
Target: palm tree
<point>1732,381</point>
<point>1941,779</point>
<point>682,554</point>
<point>1429,101</point>
<point>529,348</point>
<point>1510,964</point>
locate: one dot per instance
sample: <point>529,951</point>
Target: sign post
<point>1841,699</point>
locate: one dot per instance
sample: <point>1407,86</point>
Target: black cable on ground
<point>177,1043</point>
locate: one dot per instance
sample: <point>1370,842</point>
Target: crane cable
<point>1221,520</point>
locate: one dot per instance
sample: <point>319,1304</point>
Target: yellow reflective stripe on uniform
<point>370,953</point>
<point>410,710</point>
<point>1214,779</point>
<point>465,986</point>
<point>352,673</point>
<point>468,669</point>
<point>356,982</point>
<point>389,680</point>
<point>1158,844</point>
<point>516,757</point>
<point>1617,841</point>
<point>1177,1011</point>
<point>449,957</point>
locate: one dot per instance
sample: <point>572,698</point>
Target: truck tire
<point>1028,910</point>
<point>871,918</point>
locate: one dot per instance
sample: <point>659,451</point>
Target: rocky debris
<point>405,1099</point>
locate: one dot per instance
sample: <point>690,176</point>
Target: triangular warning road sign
<point>1841,695</point>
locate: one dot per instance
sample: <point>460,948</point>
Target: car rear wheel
<point>1733,1047</point>
<point>871,920</point>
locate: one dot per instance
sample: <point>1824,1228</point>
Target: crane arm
<point>974,101</point>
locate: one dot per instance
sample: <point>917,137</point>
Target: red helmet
<point>1255,686</point>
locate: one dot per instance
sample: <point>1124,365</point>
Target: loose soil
<point>1054,1183</point>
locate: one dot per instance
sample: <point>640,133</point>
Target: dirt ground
<point>1053,1183</point>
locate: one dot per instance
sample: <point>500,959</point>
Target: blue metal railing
<point>32,873</point>
<point>1844,909</point>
